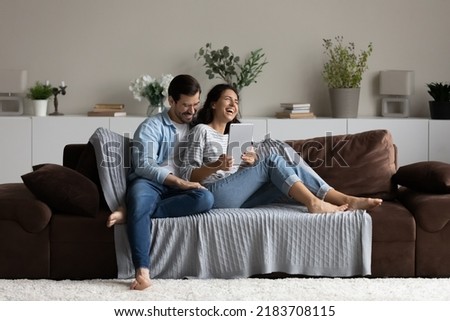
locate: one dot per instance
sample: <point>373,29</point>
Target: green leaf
<point>224,64</point>
<point>344,67</point>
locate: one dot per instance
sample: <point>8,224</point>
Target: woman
<point>246,186</point>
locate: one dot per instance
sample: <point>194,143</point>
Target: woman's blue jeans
<point>265,182</point>
<point>147,200</point>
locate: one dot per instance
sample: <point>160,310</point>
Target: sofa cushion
<point>63,189</point>
<point>428,177</point>
<point>359,164</point>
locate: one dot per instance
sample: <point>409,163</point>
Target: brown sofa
<point>57,238</point>
<point>53,224</point>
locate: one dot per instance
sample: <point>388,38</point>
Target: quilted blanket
<point>232,243</point>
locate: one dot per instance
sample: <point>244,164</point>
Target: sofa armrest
<point>429,210</point>
<point>18,204</point>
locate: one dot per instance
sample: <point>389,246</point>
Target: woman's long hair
<point>206,114</point>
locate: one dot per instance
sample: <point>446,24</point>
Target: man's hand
<point>175,181</point>
<point>185,185</point>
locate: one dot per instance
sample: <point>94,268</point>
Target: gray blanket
<point>231,243</point>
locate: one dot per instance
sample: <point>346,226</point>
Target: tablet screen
<point>240,138</point>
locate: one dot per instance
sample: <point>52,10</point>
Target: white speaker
<point>13,84</point>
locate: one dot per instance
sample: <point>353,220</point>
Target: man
<point>154,189</point>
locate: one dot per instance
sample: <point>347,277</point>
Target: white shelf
<point>28,140</point>
<point>15,144</point>
<point>285,129</point>
<point>438,140</point>
<point>410,135</point>
<point>51,134</point>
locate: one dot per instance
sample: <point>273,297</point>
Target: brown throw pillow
<point>428,177</point>
<point>360,164</point>
<point>63,189</point>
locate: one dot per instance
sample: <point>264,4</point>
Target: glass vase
<point>155,109</point>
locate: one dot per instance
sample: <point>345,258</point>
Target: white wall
<point>98,46</point>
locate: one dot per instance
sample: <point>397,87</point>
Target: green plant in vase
<point>155,90</point>
<point>440,106</point>
<point>344,67</point>
<point>343,73</point>
<point>224,64</point>
<point>39,94</point>
<point>439,91</point>
<point>40,91</point>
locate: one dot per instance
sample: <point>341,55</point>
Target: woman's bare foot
<point>354,203</point>
<point>301,194</point>
<point>363,203</point>
<point>142,280</point>
<point>119,216</point>
<point>319,206</point>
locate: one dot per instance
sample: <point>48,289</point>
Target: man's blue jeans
<point>147,200</point>
<point>265,182</point>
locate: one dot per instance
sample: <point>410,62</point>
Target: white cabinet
<point>15,145</point>
<point>52,133</point>
<point>285,129</point>
<point>438,141</point>
<point>125,126</point>
<point>27,141</point>
<point>410,135</point>
<point>259,128</point>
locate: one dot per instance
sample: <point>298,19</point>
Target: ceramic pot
<point>40,107</point>
<point>344,102</point>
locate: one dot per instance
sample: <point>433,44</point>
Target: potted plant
<point>39,94</point>
<point>440,106</point>
<point>343,73</point>
<point>224,64</point>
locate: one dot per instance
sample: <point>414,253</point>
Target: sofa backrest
<point>81,157</point>
<point>105,161</point>
<point>359,164</point>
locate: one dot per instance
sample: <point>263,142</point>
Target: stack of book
<point>295,110</point>
<point>109,110</point>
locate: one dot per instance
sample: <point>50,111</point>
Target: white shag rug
<point>288,289</point>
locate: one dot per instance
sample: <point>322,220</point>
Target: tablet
<point>240,138</point>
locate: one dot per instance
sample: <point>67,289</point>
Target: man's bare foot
<point>142,280</point>
<point>363,203</point>
<point>119,216</point>
<point>320,206</point>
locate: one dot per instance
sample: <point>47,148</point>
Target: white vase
<point>40,107</point>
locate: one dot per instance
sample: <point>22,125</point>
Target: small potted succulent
<point>440,106</point>
<point>39,94</point>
